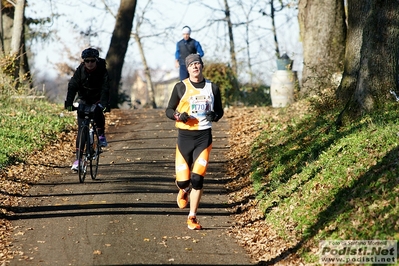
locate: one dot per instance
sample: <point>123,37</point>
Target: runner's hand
<point>210,116</point>
<point>181,116</point>
<point>184,117</point>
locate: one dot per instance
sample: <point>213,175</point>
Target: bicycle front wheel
<point>83,152</point>
<point>96,150</point>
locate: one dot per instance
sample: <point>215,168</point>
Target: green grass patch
<point>323,183</point>
<point>27,125</point>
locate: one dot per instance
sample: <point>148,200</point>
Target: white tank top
<point>196,102</point>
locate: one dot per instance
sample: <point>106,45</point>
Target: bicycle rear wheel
<point>83,152</point>
<point>95,159</point>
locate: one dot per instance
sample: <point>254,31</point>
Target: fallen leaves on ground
<point>261,242</point>
<point>15,181</point>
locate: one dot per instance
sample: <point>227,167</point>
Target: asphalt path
<point>128,215</point>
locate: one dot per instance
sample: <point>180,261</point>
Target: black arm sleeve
<point>105,88</point>
<point>177,93</point>
<point>73,87</point>
<point>217,105</point>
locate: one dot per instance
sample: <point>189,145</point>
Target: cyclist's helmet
<point>90,52</point>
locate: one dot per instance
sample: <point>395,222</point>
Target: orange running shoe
<point>193,223</point>
<point>182,198</point>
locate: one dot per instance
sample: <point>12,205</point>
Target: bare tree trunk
<point>147,73</point>
<point>234,65</point>
<point>150,86</point>
<point>323,33</point>
<point>249,61</point>
<point>247,24</point>
<point>371,56</point>
<point>1,30</point>
<point>231,38</point>
<point>24,68</point>
<point>274,29</point>
<point>16,41</point>
<point>7,22</point>
<point>272,14</point>
<point>118,46</point>
<point>17,28</point>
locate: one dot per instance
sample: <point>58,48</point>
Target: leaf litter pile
<point>260,242</point>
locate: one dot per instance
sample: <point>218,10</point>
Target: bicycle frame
<point>88,151</point>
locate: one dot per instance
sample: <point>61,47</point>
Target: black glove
<point>101,107</point>
<point>182,117</point>
<point>210,116</point>
<point>104,107</point>
<point>68,106</point>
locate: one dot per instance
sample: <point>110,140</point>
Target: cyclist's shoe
<point>103,141</point>
<point>182,198</point>
<point>75,165</point>
<point>193,223</point>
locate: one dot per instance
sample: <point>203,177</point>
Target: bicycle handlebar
<point>75,106</point>
<point>85,107</point>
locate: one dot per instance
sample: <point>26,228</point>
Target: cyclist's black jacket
<point>91,87</point>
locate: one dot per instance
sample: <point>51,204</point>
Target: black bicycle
<point>89,151</point>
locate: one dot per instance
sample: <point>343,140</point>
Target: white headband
<point>186,30</point>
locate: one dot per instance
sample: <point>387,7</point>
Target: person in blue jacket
<point>185,47</point>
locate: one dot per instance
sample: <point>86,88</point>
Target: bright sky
<point>165,16</point>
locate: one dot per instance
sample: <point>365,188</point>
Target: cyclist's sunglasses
<point>90,60</point>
